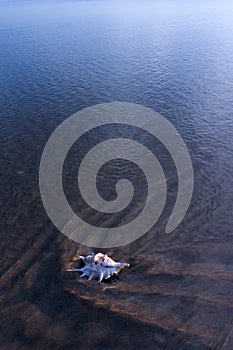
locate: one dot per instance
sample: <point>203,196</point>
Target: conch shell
<point>99,266</point>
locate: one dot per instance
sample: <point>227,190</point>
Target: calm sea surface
<point>175,57</point>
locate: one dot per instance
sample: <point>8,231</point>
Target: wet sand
<point>179,297</point>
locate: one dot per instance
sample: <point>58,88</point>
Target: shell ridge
<point>99,266</point>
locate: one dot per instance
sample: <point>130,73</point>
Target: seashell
<point>99,266</point>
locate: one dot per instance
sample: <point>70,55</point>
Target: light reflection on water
<point>58,58</point>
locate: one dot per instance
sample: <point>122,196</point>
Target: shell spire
<point>99,266</point>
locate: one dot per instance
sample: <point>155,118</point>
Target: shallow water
<point>176,58</point>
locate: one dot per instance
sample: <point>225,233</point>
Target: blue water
<point>175,57</point>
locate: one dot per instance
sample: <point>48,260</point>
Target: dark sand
<point>177,294</point>
<point>168,303</point>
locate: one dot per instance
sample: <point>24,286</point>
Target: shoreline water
<point>177,293</point>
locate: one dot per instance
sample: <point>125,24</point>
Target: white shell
<point>99,266</point>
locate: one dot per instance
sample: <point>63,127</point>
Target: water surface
<point>176,58</point>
